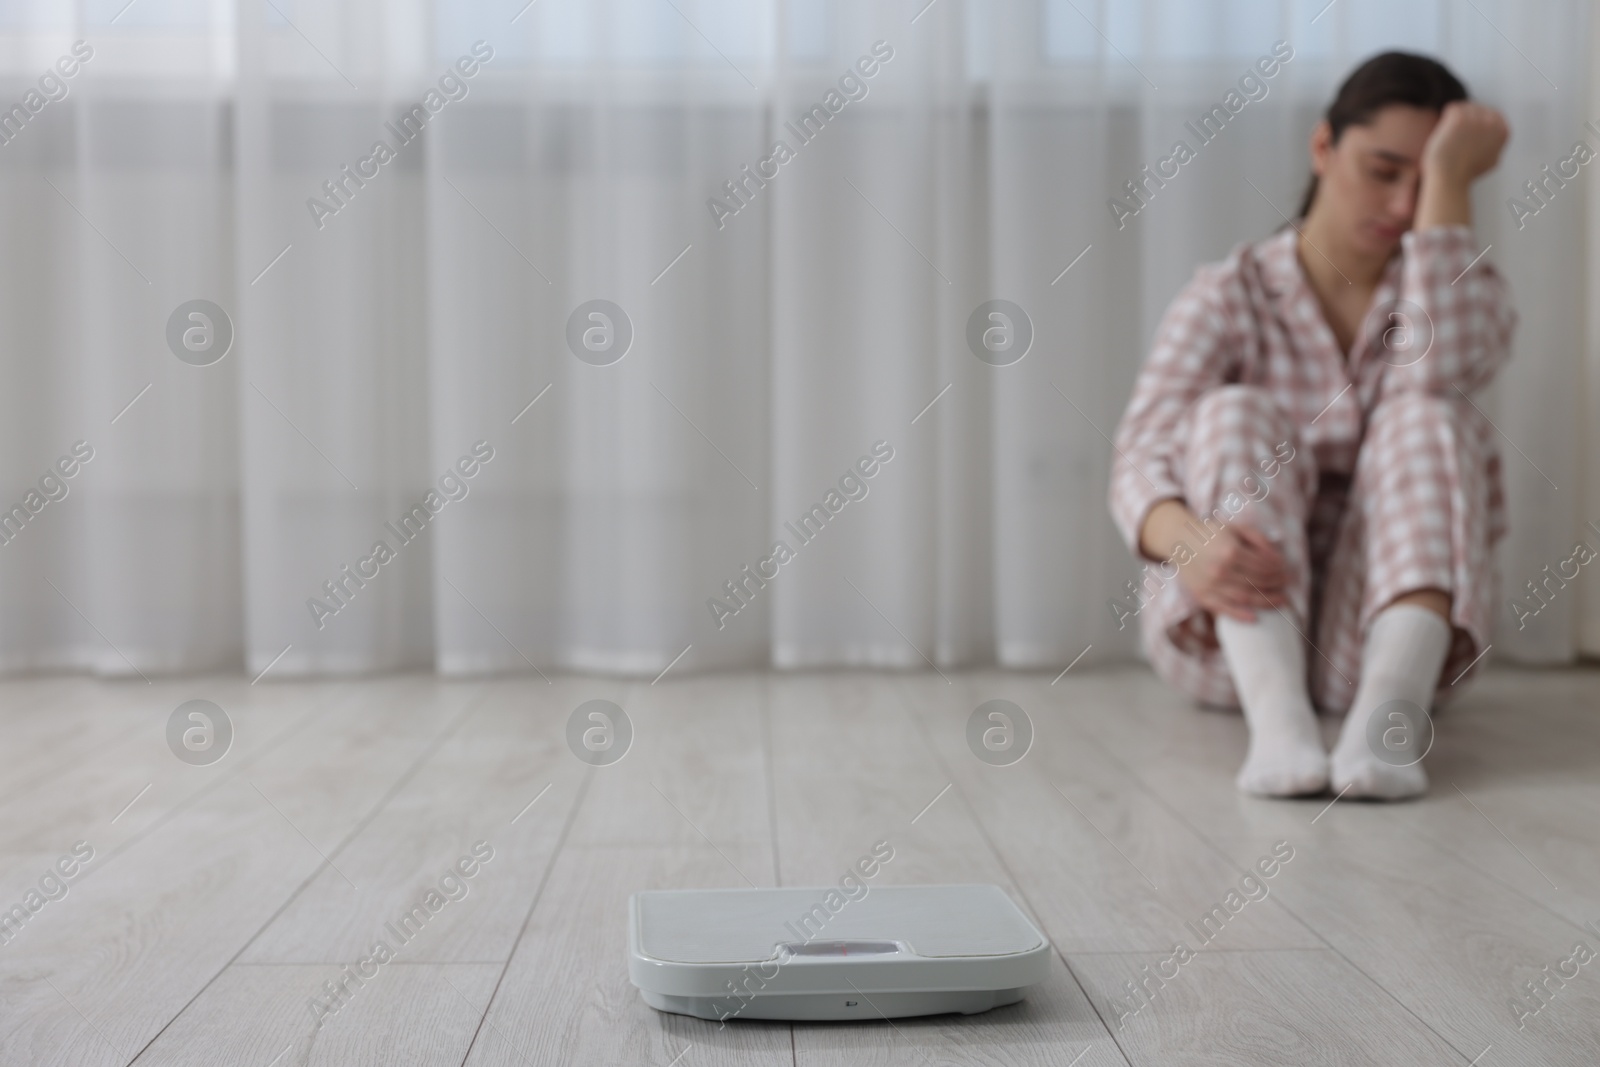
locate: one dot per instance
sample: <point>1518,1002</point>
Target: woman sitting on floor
<point>1336,359</point>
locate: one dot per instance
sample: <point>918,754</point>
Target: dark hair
<point>1389,78</point>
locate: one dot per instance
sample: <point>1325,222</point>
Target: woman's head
<point>1367,149</point>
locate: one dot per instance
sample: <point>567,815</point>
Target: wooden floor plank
<point>51,727</point>
<point>694,770</point>
<point>91,789</point>
<point>1450,945</point>
<point>417,1014</point>
<point>476,787</point>
<point>1305,1007</point>
<point>137,939</point>
<point>1114,869</point>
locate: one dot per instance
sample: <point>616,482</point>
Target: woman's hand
<point>1236,572</point>
<point>1464,145</point>
<point>1232,574</point>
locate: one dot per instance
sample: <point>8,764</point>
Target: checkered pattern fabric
<point>1376,473</point>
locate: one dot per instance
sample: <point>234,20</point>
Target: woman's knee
<point>1243,421</point>
<point>1415,413</point>
<point>1240,432</point>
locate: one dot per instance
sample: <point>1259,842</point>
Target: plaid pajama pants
<point>1414,514</point>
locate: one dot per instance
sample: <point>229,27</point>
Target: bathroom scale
<point>786,954</point>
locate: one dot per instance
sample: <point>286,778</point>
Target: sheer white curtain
<point>413,319</point>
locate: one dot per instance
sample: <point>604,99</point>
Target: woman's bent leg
<point>1242,465</point>
<point>1409,587</point>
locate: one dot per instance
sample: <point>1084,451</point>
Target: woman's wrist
<point>1162,528</point>
<point>1443,201</point>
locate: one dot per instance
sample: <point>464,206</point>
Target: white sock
<point>1267,660</point>
<point>1404,652</point>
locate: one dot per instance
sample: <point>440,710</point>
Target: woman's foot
<point>1388,731</point>
<point>1266,659</point>
<point>1284,761</point>
<point>1358,773</point>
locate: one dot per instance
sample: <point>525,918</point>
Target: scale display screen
<point>839,948</point>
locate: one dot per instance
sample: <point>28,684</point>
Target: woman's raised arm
<point>1466,303</point>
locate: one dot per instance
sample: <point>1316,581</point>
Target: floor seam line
<point>994,851</point>
<point>473,705</point>
<point>538,894</point>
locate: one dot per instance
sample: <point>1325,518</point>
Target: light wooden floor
<point>220,901</point>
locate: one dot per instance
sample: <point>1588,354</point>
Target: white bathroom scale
<point>783,954</point>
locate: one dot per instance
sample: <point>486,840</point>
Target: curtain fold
<point>581,370</point>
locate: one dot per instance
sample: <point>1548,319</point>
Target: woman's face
<point>1367,183</point>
